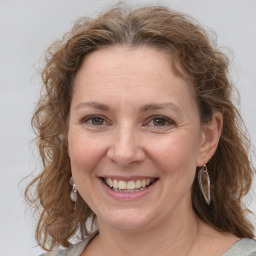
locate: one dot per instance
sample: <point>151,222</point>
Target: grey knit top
<point>244,247</point>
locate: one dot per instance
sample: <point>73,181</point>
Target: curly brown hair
<point>196,59</point>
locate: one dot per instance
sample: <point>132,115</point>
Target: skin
<point>130,116</point>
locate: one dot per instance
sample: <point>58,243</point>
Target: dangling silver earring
<point>204,182</point>
<point>73,194</point>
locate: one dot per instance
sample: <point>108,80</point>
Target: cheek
<point>176,155</point>
<point>85,153</point>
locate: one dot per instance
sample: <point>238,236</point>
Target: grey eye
<point>94,120</point>
<point>97,121</point>
<point>159,122</point>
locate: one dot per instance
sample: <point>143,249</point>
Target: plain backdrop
<point>28,27</point>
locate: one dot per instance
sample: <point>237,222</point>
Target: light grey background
<point>26,30</point>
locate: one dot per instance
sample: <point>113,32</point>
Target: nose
<point>125,149</point>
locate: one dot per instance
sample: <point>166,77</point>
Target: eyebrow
<point>145,108</point>
<point>150,107</point>
<point>93,104</point>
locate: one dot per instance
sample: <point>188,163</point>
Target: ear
<point>211,132</point>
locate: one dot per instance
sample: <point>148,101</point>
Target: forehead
<point>126,60</point>
<point>135,72</point>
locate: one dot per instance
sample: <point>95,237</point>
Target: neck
<point>176,236</point>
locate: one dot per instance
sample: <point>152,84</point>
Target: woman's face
<point>134,138</point>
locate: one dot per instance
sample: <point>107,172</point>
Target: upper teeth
<point>131,184</point>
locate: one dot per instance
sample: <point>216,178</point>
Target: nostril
<point>125,156</point>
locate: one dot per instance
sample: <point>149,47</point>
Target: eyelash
<point>89,120</point>
<point>162,118</point>
<point>167,121</point>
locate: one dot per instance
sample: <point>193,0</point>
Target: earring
<point>73,194</point>
<point>204,180</point>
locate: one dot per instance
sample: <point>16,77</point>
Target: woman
<point>142,148</point>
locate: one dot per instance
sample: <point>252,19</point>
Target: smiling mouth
<point>131,186</point>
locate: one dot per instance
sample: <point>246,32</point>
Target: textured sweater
<point>244,247</point>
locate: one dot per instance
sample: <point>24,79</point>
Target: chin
<point>127,220</point>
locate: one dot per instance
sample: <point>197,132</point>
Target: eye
<point>94,120</point>
<point>160,121</point>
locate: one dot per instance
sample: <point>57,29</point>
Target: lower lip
<point>127,196</point>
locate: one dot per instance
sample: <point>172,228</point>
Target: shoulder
<point>244,247</point>
<point>74,250</point>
